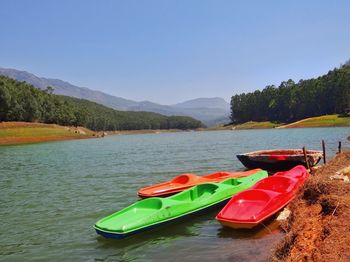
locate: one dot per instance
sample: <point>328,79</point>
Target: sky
<point>169,51</point>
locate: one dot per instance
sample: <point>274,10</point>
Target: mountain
<point>215,102</point>
<point>20,101</point>
<point>67,89</point>
<point>210,111</point>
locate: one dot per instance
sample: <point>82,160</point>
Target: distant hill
<point>67,89</point>
<point>215,102</point>
<point>210,111</point>
<point>20,101</point>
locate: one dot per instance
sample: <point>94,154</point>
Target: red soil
<point>318,229</point>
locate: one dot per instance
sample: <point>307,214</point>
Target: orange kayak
<point>185,181</point>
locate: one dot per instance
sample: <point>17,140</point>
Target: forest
<point>290,101</point>
<point>20,101</point>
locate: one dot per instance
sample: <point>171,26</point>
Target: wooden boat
<point>249,208</point>
<point>152,212</point>
<point>185,181</point>
<point>279,159</point>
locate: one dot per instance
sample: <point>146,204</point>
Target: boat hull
<point>268,165</point>
<point>238,225</point>
<point>115,235</point>
<point>279,160</point>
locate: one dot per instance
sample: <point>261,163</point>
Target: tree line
<point>290,101</point>
<point>20,101</point>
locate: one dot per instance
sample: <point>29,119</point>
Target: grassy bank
<point>247,125</point>
<point>256,125</point>
<point>12,133</point>
<point>320,121</point>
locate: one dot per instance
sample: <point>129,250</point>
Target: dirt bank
<point>319,227</point>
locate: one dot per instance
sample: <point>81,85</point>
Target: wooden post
<point>339,147</point>
<point>324,152</point>
<point>305,158</point>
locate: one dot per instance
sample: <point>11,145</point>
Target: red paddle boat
<point>250,207</point>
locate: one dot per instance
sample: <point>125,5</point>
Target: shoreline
<point>18,133</point>
<point>143,131</point>
<point>317,229</point>
<point>310,122</point>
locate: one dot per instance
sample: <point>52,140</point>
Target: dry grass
<point>319,228</point>
<point>256,125</point>
<point>320,121</point>
<point>12,133</point>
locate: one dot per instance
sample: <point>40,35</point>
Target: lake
<point>52,194</point>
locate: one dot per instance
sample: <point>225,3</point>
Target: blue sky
<point>171,51</point>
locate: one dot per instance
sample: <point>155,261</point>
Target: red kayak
<point>185,181</point>
<point>250,207</point>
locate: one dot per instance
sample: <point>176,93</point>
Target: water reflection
<point>270,226</point>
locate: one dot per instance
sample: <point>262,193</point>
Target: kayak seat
<point>296,172</point>
<point>218,175</point>
<point>278,184</point>
<point>150,203</point>
<point>202,191</point>
<point>232,181</point>
<point>182,179</point>
<point>248,204</point>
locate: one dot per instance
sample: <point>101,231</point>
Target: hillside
<point>209,110</point>
<point>20,101</point>
<point>326,95</point>
<point>215,102</point>
<point>67,89</point>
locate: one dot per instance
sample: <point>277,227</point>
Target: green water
<point>51,194</point>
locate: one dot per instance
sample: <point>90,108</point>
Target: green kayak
<point>152,212</point>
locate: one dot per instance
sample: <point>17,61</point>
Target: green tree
<point>5,101</point>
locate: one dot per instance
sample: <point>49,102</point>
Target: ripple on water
<point>52,194</point>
